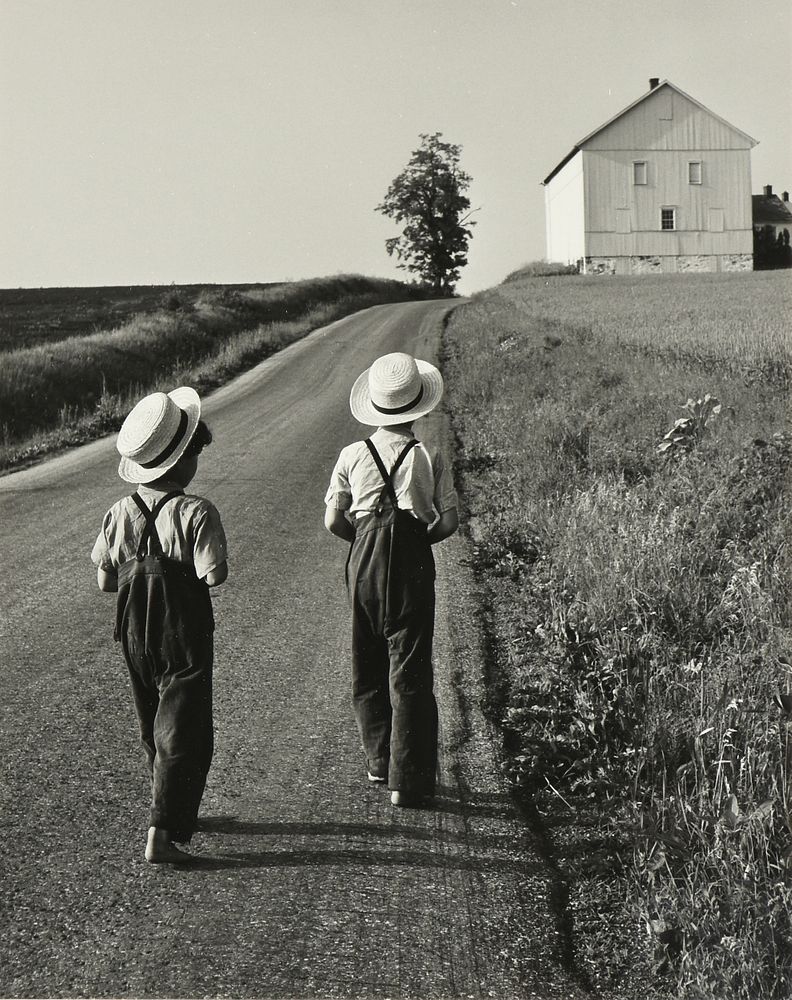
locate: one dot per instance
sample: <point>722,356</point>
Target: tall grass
<point>640,601</point>
<point>66,392</point>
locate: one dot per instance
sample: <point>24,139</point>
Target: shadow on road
<point>362,858</point>
<point>459,849</point>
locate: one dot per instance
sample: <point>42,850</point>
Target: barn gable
<point>665,117</point>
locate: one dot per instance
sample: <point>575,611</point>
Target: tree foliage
<point>429,197</point>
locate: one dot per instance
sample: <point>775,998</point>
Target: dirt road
<point>312,884</point>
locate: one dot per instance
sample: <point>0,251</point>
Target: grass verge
<point>638,608</point>
<point>63,393</point>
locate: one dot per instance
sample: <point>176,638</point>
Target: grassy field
<point>30,316</point>
<point>62,389</point>
<point>638,598</point>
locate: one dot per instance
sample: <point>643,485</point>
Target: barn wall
<point>668,243</point>
<point>564,213</point>
<point>726,186</point>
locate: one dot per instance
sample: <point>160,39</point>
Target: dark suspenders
<point>150,541</point>
<point>388,476</point>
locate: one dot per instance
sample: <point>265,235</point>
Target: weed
<point>688,431</point>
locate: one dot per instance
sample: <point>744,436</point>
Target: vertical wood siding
<point>664,244</point>
<point>724,195</point>
<point>668,120</point>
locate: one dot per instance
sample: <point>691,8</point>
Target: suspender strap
<point>150,540</point>
<point>388,476</point>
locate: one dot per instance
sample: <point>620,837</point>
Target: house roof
<point>664,83</point>
<point>770,209</point>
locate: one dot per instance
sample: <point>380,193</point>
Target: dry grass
<point>641,601</point>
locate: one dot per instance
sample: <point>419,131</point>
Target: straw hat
<point>397,389</point>
<point>156,433</point>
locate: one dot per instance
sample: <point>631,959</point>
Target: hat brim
<point>364,410</point>
<point>186,399</point>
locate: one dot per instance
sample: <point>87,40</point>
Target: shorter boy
<point>161,550</point>
<point>392,498</point>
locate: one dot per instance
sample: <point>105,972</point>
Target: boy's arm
<point>210,549</point>
<point>338,500</point>
<point>444,526</point>
<point>338,524</point>
<point>106,574</point>
<point>217,575</point>
<point>108,582</point>
<point>445,500</point>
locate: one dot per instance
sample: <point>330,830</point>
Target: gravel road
<point>311,883</point>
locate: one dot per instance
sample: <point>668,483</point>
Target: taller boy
<point>392,498</point>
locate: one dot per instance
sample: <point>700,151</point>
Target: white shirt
<point>189,530</point>
<point>423,485</point>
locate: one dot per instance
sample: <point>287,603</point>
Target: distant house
<point>772,224</point>
<point>664,186</point>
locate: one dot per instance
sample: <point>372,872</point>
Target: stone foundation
<point>689,263</point>
<point>737,262</point>
<point>600,265</point>
<point>645,265</point>
<point>696,262</point>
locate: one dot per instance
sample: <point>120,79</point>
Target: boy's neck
<point>162,486</point>
<point>403,430</point>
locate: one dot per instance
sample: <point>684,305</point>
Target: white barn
<point>664,186</point>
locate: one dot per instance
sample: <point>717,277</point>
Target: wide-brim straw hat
<point>156,433</point>
<point>397,389</point>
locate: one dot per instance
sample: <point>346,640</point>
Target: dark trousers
<point>168,648</point>
<point>390,579</point>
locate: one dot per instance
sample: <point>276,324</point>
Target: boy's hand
<point>337,524</point>
<point>444,526</point>
<point>217,575</point>
<point>108,582</point>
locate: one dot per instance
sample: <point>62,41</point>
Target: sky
<point>229,141</point>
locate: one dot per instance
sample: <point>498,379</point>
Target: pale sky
<point>158,141</point>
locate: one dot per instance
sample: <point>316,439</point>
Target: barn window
<point>639,172</point>
<point>668,218</point>
<point>694,171</point>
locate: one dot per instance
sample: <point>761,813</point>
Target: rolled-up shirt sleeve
<point>210,548</point>
<point>445,496</point>
<point>100,554</point>
<point>339,492</point>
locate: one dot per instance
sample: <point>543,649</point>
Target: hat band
<point>172,445</point>
<point>399,409</point>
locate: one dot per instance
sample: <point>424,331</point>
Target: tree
<point>428,196</point>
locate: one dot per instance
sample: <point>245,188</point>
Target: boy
<point>400,500</point>
<point>161,550</point>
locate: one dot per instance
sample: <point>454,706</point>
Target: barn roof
<point>664,83</point>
